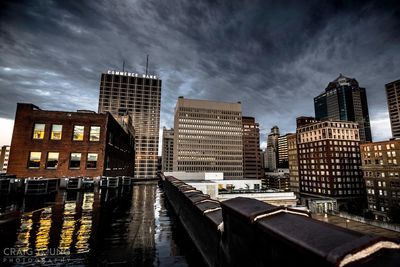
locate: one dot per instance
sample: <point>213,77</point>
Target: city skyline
<point>200,51</point>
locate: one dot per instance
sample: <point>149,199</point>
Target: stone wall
<point>248,232</point>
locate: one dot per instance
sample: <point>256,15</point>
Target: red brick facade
<point>114,149</point>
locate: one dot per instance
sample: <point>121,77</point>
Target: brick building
<point>380,164</point>
<point>330,162</point>
<point>56,144</point>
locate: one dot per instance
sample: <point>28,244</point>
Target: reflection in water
<point>106,227</point>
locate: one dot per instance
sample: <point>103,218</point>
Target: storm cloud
<point>273,56</point>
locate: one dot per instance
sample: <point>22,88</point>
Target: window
<point>56,132</point>
<point>38,131</point>
<point>75,161</point>
<point>94,133</point>
<point>34,160</point>
<point>52,160</point>
<point>78,133</point>
<point>91,161</point>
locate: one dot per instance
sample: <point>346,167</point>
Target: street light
<point>347,221</point>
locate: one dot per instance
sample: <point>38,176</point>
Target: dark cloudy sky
<point>273,56</point>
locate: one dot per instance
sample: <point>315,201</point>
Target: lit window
<point>94,133</point>
<point>52,160</point>
<point>38,131</point>
<point>56,132</point>
<point>91,161</point>
<point>75,160</point>
<point>34,160</point>
<point>78,133</point>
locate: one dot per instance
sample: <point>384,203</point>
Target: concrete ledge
<point>248,232</point>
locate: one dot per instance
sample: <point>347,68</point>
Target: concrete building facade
<point>329,160</point>
<point>380,165</point>
<point>53,144</point>
<point>345,100</point>
<point>167,150</point>
<point>252,167</point>
<point>393,100</point>
<point>4,157</point>
<point>272,149</point>
<point>208,137</point>
<point>140,95</point>
<point>283,157</point>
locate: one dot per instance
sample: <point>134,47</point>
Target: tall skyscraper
<point>272,149</point>
<point>251,149</point>
<point>167,150</point>
<point>293,163</point>
<point>345,100</point>
<point>140,95</point>
<point>283,159</point>
<point>208,137</point>
<point>329,160</point>
<point>393,100</point>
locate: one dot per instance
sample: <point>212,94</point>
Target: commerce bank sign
<point>131,74</point>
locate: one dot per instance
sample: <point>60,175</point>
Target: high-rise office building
<point>293,163</point>
<point>252,168</point>
<point>167,150</point>
<point>140,95</point>
<point>329,160</point>
<point>345,100</point>
<point>208,137</point>
<point>393,100</point>
<point>272,149</point>
<point>381,167</point>
<point>4,156</point>
<point>283,159</point>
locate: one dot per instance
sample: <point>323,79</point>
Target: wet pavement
<point>128,227</point>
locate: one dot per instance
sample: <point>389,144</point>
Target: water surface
<point>126,227</point>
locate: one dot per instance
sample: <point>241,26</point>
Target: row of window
<point>238,131</point>
<point>329,124</point>
<point>56,132</point>
<point>379,174</point>
<point>331,148</point>
<point>327,185</point>
<point>334,192</point>
<point>52,160</point>
<point>320,143</point>
<point>372,192</point>
<point>378,147</point>
<point>379,154</point>
<point>380,161</point>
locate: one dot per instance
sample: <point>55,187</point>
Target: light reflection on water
<point>106,227</point>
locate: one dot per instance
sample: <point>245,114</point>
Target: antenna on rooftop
<point>147,64</point>
<point>123,65</point>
